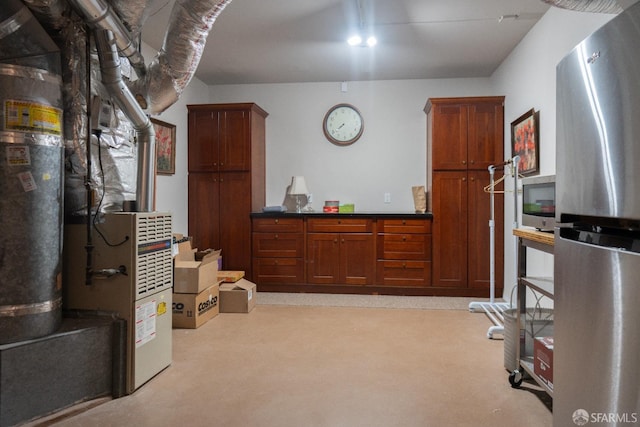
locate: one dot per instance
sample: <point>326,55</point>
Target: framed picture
<point>525,142</point>
<point>165,147</point>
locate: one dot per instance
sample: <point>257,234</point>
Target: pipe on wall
<point>99,14</point>
<point>113,82</point>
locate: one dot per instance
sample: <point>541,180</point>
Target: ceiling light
<point>354,40</point>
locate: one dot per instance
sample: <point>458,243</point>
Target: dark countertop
<point>427,215</point>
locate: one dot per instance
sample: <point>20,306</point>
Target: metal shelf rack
<point>543,286</point>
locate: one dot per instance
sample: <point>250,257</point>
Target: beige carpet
<point>296,366</point>
<point>368,301</point>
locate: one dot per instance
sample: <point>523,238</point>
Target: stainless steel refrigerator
<point>597,248</point>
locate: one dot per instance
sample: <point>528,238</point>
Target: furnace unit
<point>132,277</point>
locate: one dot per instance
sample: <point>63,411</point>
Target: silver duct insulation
<point>596,6</point>
<point>113,82</point>
<point>175,64</point>
<point>117,167</point>
<point>100,15</point>
<point>31,170</point>
<point>51,13</point>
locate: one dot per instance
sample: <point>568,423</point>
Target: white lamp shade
<point>298,186</point>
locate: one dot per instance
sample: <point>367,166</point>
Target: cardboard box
<point>194,271</point>
<point>347,208</point>
<point>230,276</point>
<point>194,310</point>
<point>238,297</point>
<point>543,360</point>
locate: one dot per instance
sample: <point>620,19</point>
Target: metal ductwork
<point>43,75</point>
<point>175,64</point>
<point>31,187</point>
<point>99,15</point>
<point>596,6</point>
<point>112,80</point>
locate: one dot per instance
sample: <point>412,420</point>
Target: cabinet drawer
<point>415,226</point>
<point>404,273</point>
<point>404,246</point>
<point>278,225</point>
<point>278,270</point>
<point>340,225</point>
<point>286,245</point>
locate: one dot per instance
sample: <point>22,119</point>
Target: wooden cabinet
<point>404,252</point>
<point>363,253</point>
<point>340,251</point>
<point>464,137</point>
<point>226,178</point>
<point>278,250</point>
<point>464,132</point>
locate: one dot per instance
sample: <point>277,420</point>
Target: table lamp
<point>298,188</point>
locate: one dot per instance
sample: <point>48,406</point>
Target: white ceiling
<point>287,41</point>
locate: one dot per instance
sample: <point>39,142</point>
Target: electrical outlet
<point>387,197</point>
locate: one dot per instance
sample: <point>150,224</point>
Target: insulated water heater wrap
<point>31,200</point>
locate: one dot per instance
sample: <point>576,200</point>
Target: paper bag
<point>419,198</point>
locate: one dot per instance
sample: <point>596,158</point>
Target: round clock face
<point>343,124</point>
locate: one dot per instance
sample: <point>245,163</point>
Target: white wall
<point>390,157</point>
<point>527,78</point>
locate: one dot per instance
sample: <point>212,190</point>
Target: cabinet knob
<point>276,237</point>
<point>404,238</point>
<point>472,179</point>
<point>472,161</point>
<point>221,179</point>
<point>275,262</point>
<point>464,162</point>
<point>339,222</point>
<point>221,164</point>
<point>342,240</point>
<point>335,240</point>
<point>464,179</point>
<point>404,265</point>
<point>276,221</point>
<point>404,221</point>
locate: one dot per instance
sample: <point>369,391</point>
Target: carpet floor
<point>327,360</point>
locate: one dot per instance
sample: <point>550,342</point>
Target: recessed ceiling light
<point>354,40</point>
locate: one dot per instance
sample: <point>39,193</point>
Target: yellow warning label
<point>162,308</point>
<point>26,116</point>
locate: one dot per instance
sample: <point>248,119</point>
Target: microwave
<point>539,202</point>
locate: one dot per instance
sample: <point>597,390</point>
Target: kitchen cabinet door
<point>450,229</point>
<point>203,141</point>
<point>357,259</point>
<point>449,149</point>
<point>323,252</point>
<point>204,198</point>
<point>485,135</point>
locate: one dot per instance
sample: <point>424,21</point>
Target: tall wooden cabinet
<point>464,137</point>
<point>226,157</point>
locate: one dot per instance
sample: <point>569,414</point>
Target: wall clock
<point>343,124</point>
